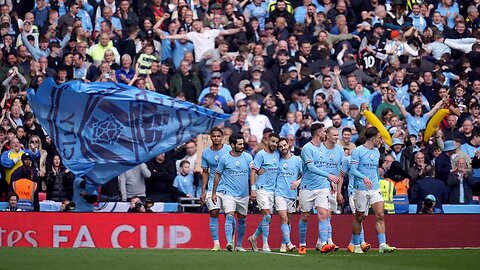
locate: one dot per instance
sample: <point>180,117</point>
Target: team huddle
<point>231,177</point>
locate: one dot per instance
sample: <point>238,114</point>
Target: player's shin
<point>229,226</point>
<point>329,237</point>
<point>241,230</point>
<point>323,231</point>
<point>285,233</point>
<point>266,228</point>
<point>302,230</point>
<point>214,228</point>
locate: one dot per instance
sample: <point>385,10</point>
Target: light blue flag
<point>104,129</point>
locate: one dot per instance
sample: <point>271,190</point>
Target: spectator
<point>417,171</point>
<point>291,127</point>
<point>136,206</point>
<point>184,180</point>
<point>185,81</point>
<point>257,122</point>
<point>160,184</point>
<point>12,199</point>
<point>132,182</point>
<point>460,182</point>
<point>443,164</point>
<point>11,159</point>
<point>346,139</point>
<point>59,181</point>
<point>429,186</point>
<point>24,181</point>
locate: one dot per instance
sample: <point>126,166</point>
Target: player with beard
<point>288,179</point>
<point>263,179</point>
<point>233,172</point>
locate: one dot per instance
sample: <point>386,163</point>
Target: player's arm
<point>296,183</point>
<point>253,180</point>
<point>354,171</point>
<point>216,180</point>
<point>339,187</point>
<point>205,174</point>
<point>311,166</point>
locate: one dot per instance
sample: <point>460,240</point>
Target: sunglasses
<point>35,141</point>
<point>242,105</point>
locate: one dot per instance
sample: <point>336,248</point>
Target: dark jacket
<point>59,185</point>
<point>443,165</point>
<point>426,186</point>
<point>176,85</point>
<point>159,186</point>
<point>454,183</point>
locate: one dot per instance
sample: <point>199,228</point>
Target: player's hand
<point>203,197</point>
<point>333,178</point>
<point>214,198</point>
<point>368,183</point>
<point>295,184</point>
<point>334,188</point>
<point>260,171</point>
<point>340,198</point>
<point>253,195</point>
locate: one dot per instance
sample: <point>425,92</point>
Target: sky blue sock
<point>323,230</point>
<point>229,225</point>
<point>351,239</point>
<point>266,228</point>
<point>241,226</point>
<point>382,239</point>
<point>329,227</point>
<point>362,236</point>
<point>356,239</point>
<point>302,231</point>
<point>285,233</point>
<point>214,228</point>
<point>258,231</point>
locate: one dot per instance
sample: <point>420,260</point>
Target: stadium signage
<point>123,230</point>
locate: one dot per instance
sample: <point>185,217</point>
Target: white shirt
<point>202,42</point>
<point>257,124</point>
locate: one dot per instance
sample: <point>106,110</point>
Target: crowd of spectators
<point>274,65</point>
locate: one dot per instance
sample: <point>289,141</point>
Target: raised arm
<point>435,108</point>
<point>157,26</point>
<point>402,109</point>
<point>232,31</point>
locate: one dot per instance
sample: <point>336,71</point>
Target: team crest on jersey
<point>285,165</point>
<point>217,158</point>
<point>237,163</point>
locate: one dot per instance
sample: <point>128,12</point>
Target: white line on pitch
<point>281,254</point>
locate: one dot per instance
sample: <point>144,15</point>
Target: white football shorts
<point>314,198</point>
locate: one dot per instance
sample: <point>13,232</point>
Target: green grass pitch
<point>90,259</point>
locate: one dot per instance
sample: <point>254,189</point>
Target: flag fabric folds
<point>104,129</point>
